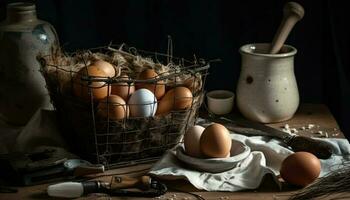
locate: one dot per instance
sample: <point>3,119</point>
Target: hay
<point>336,183</point>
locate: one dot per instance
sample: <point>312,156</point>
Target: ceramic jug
<point>22,87</point>
<point>267,90</point>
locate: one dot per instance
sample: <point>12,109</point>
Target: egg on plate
<point>215,141</point>
<point>192,141</point>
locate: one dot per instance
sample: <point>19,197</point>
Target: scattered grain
<point>293,130</point>
<point>286,130</point>
<point>310,126</point>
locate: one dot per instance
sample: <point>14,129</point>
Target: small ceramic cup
<point>220,102</point>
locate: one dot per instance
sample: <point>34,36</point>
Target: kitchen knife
<point>297,143</point>
<point>148,186</point>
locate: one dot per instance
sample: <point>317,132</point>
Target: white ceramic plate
<point>239,152</point>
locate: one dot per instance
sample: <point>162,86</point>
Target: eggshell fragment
<point>215,141</point>
<point>112,107</point>
<point>300,168</point>
<point>158,88</point>
<point>192,141</point>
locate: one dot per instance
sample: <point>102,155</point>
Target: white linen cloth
<point>265,158</point>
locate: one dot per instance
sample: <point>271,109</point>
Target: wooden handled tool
<point>292,13</point>
<point>143,182</point>
<point>149,187</point>
<point>319,148</point>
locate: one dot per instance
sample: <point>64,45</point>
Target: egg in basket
<point>119,105</point>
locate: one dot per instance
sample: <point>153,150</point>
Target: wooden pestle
<point>292,13</point>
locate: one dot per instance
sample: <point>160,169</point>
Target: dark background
<point>213,29</point>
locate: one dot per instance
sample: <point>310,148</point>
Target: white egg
<point>192,141</point>
<point>142,103</point>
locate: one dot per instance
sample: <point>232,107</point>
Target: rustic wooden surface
<point>315,114</point>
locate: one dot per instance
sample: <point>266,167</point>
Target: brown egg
<point>106,67</point>
<point>116,107</point>
<point>300,168</point>
<point>158,88</point>
<point>215,141</point>
<point>98,89</point>
<point>165,105</point>
<point>183,98</point>
<point>179,98</point>
<point>124,90</point>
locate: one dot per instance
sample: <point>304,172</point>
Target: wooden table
<point>315,114</point>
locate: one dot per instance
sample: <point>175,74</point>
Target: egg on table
<point>84,88</point>
<point>179,98</point>
<point>123,89</point>
<point>157,88</point>
<point>300,168</point>
<point>215,141</point>
<point>112,107</point>
<point>192,141</point>
<point>142,103</point>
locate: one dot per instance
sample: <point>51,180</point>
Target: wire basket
<point>130,139</point>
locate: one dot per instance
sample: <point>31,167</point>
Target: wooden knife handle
<point>320,149</point>
<point>142,182</point>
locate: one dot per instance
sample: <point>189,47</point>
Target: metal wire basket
<point>132,139</point>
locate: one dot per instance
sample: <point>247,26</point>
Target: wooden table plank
<point>319,115</point>
<point>313,114</point>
